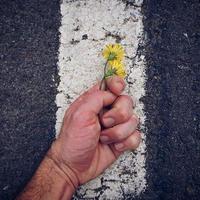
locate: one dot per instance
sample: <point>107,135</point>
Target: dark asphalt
<point>172,101</point>
<point>29,41</point>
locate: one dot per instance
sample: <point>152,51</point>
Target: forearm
<point>49,182</point>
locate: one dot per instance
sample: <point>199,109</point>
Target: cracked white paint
<point>81,65</point>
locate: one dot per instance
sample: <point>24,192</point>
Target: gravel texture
<point>29,40</point>
<point>172,101</point>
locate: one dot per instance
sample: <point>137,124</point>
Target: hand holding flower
<point>87,143</point>
<point>84,148</point>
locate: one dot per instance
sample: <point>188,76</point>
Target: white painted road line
<point>86,27</point>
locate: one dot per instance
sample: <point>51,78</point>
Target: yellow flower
<point>119,68</point>
<point>116,68</point>
<point>113,52</point>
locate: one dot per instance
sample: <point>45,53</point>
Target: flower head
<point>113,52</point>
<point>116,68</point>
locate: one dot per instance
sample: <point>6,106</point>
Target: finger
<point>82,97</point>
<point>119,132</point>
<point>121,111</point>
<point>97,100</point>
<point>130,143</point>
<point>115,84</point>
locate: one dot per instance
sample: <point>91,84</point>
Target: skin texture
<point>90,141</point>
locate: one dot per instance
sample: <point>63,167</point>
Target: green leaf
<point>110,72</point>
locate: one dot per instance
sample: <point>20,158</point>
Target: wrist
<point>54,154</point>
<point>48,182</point>
<point>63,187</point>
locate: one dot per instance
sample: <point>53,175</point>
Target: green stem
<point>103,84</point>
<point>105,67</point>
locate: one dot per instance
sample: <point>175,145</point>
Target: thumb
<point>95,101</point>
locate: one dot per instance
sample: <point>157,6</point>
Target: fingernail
<point>108,121</point>
<point>104,138</point>
<point>119,146</point>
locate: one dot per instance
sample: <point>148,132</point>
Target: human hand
<point>88,145</point>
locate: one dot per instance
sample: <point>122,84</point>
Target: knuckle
<point>128,99</point>
<point>123,114</point>
<point>135,141</point>
<point>83,118</point>
<point>118,135</point>
<point>135,119</point>
<point>94,124</point>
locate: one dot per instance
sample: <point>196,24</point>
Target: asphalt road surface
<point>29,45</point>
